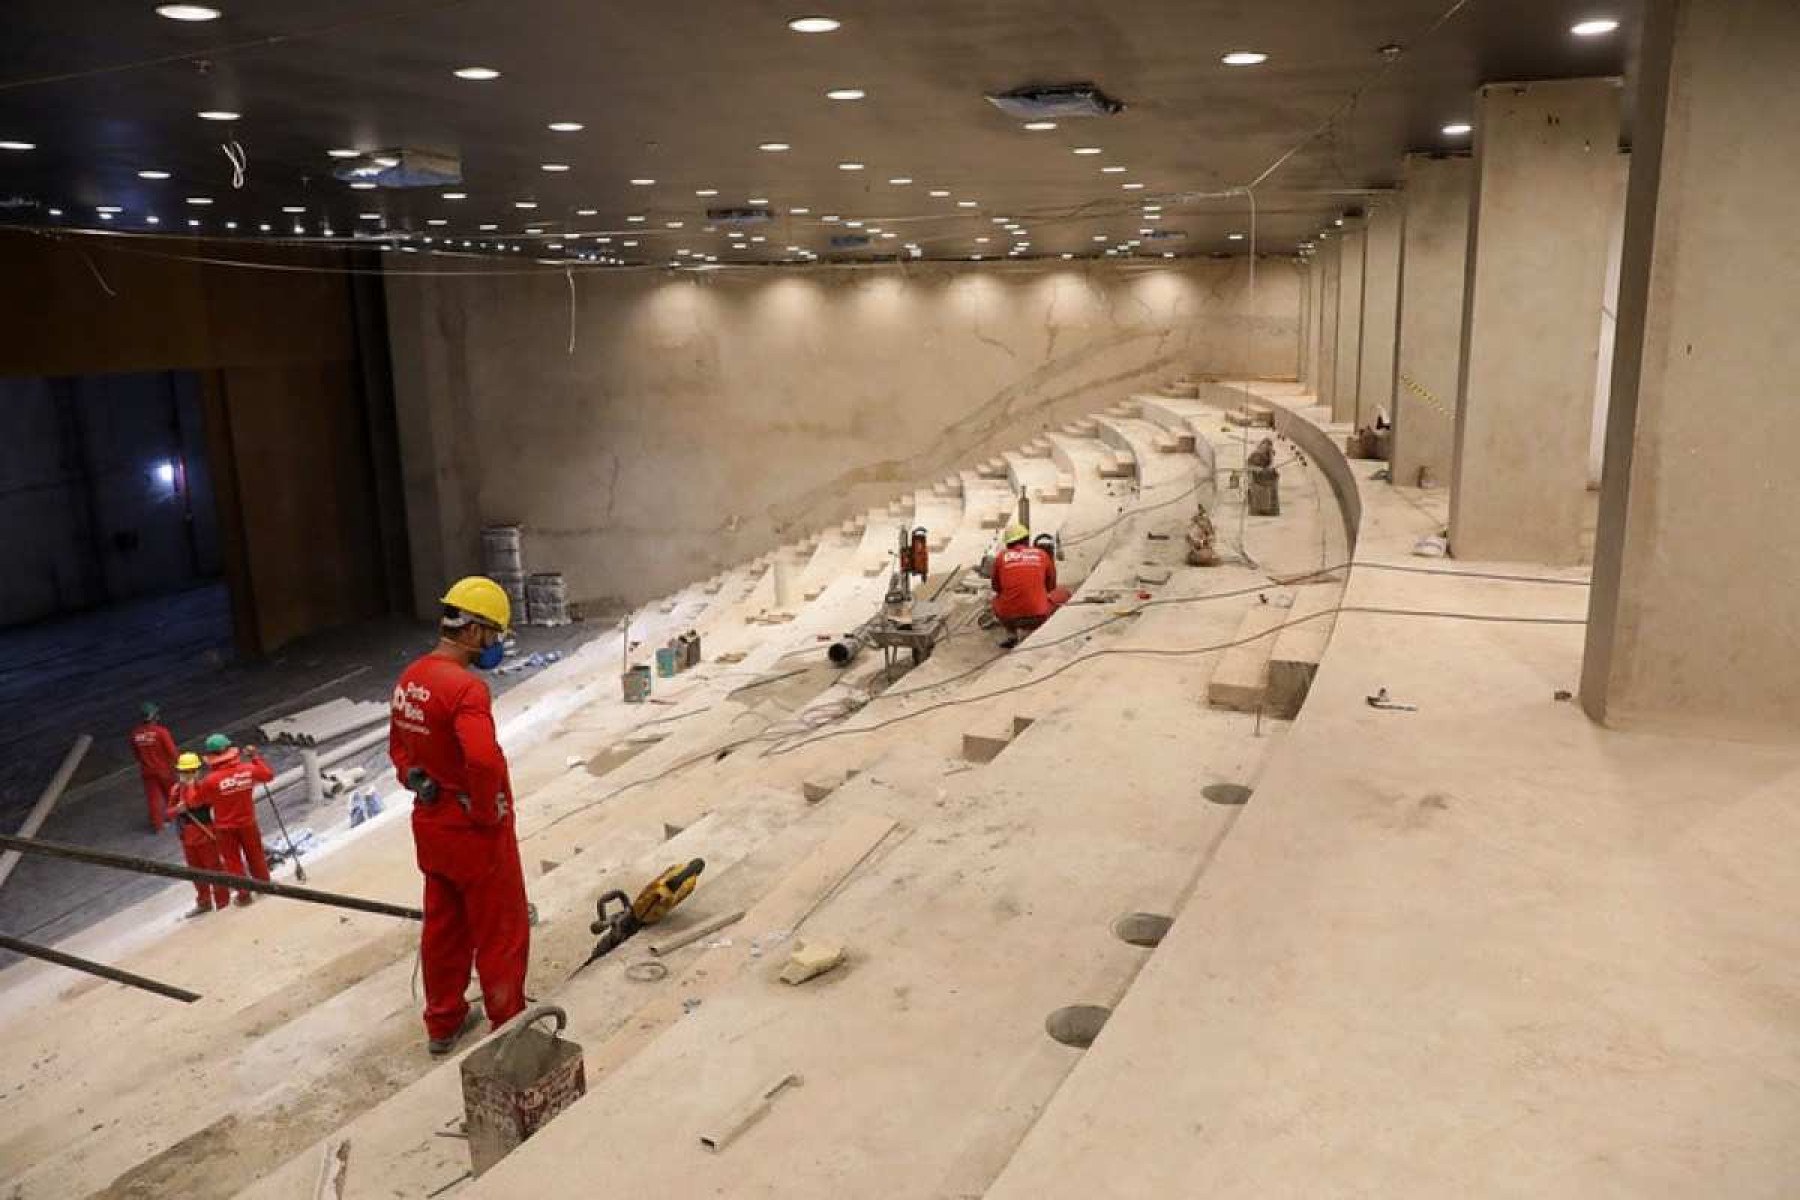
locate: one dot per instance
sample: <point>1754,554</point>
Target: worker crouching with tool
<point>442,742</point>
<point>229,790</point>
<point>1025,590</point>
<point>199,844</point>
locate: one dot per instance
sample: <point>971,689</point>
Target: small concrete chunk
<point>816,787</point>
<point>811,958</point>
<point>1153,575</point>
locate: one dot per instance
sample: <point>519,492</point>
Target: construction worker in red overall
<point>199,844</point>
<point>1024,581</point>
<point>229,789</point>
<point>155,751</point>
<point>442,742</point>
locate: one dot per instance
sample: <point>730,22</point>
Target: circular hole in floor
<point>1077,1025</point>
<point>1226,793</point>
<point>1142,929</point>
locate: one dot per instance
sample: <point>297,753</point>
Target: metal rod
<point>240,883</point>
<point>33,950</point>
<point>45,802</point>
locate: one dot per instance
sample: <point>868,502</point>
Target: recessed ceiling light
<point>187,12</point>
<point>153,174</point>
<point>967,204</point>
<point>456,195</point>
<point>1001,220</point>
<point>845,94</point>
<point>1132,187</point>
<point>830,218</point>
<point>1112,170</point>
<point>812,24</point>
<point>1168,254</point>
<point>1457,129</point>
<point>673,224</point>
<point>1593,27</point>
<point>1040,126</point>
<point>534,231</point>
<point>1068,256</point>
<point>629,245</point>
<point>850,166</point>
<point>362,185</point>
<point>488,228</point>
<point>1087,150</point>
<point>344,152</point>
<point>290,209</point>
<point>107,210</point>
<point>359,216</point>
<point>1099,237</point>
<point>556,167</point>
<point>524,203</point>
<point>853,224</point>
<point>437,221</point>
<point>706,191</point>
<point>193,223</point>
<point>900,181</point>
<point>155,220</point>
<point>799,212</point>
<point>1234,237</point>
<point>940,193</point>
<point>1148,207</point>
<point>642,182</point>
<point>759,200</point>
<point>217,114</point>
<point>566,127</point>
<point>1245,58</point>
<point>106,216</point>
<point>981,241</point>
<point>1146,232</point>
<point>18,145</point>
<point>774,147</point>
<point>264,228</point>
<point>636,218</point>
<point>477,73</point>
<point>587,212</point>
<point>1155,216</point>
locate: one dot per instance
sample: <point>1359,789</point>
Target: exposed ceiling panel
<point>685,94</point>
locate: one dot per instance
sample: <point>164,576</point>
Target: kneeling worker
<point>442,742</point>
<point>1024,581</point>
<point>229,790</point>
<point>199,844</point>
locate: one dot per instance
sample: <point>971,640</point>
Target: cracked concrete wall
<point>702,419</point>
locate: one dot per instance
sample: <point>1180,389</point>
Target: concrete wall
<point>705,418</point>
<point>291,421</point>
<point>85,517</point>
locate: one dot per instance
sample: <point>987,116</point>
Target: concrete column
<point>1380,311</point>
<point>1544,161</point>
<point>1694,621</point>
<point>1434,255</point>
<point>1330,259</point>
<point>1349,324</point>
<point>1608,342</point>
<point>1309,315</point>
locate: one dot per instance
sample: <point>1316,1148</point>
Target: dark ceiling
<point>684,92</point>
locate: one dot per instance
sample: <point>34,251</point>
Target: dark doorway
<point>106,495</point>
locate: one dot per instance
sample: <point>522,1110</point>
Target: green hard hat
<point>217,743</point>
<point>150,710</point>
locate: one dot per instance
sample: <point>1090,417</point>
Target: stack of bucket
<point>503,561</point>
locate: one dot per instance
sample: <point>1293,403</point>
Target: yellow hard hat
<point>481,598</point>
<point>189,761</point>
<point>1017,532</point>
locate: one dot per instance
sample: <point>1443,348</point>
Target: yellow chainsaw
<point>618,917</point>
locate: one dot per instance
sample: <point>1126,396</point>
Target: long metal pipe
<point>240,883</point>
<point>47,800</point>
<point>88,965</point>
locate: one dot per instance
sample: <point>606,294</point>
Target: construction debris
<point>727,1129</point>
<point>812,958</point>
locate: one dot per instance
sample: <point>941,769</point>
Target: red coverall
<point>1025,587</point>
<point>199,844</point>
<point>155,751</point>
<point>443,724</point>
<point>229,789</point>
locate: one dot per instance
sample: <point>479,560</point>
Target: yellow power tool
<point>617,917</point>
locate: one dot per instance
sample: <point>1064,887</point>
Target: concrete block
<point>1153,575</point>
<point>1120,464</point>
<point>1241,680</point>
<point>812,958</point>
<point>1295,654</point>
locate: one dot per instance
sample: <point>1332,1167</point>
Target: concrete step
<point>984,743</point>
<point>1241,680</point>
<point>1294,656</point>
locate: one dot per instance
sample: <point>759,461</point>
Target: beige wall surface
<point>704,418</point>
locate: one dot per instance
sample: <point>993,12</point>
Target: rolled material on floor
<point>238,883</point>
<point>90,967</point>
<point>34,820</point>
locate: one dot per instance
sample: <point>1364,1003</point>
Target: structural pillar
<point>1694,620</point>
<point>1434,255</point>
<point>1380,311</point>
<point>1330,260</point>
<point>1309,318</point>
<point>1544,162</point>
<point>1351,241</point>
